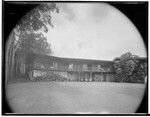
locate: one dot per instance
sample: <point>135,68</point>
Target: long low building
<point>41,66</point>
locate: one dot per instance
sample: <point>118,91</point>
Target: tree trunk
<point>10,54</point>
<point>8,57</point>
<point>12,65</point>
<point>7,62</point>
<point>17,65</point>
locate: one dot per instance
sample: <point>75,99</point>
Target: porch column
<point>79,76</point>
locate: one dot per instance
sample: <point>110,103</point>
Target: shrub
<point>129,68</point>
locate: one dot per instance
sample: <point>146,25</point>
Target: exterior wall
<point>81,69</point>
<point>71,70</point>
<point>77,67</point>
<point>109,78</point>
<point>94,68</point>
<point>62,66</point>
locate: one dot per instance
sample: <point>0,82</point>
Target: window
<point>108,69</point>
<point>89,67</point>
<point>51,64</point>
<point>100,68</point>
<point>55,65</point>
<point>71,66</point>
<point>85,67</point>
<point>66,66</point>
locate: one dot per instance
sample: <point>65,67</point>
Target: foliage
<point>140,73</point>
<point>128,68</point>
<point>36,43</point>
<point>37,19</point>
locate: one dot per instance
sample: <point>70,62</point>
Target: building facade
<point>70,69</point>
<point>40,67</point>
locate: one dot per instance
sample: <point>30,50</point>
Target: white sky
<point>93,31</point>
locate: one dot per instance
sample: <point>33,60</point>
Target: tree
<point>36,43</point>
<point>140,72</point>
<point>125,66</point>
<point>38,19</point>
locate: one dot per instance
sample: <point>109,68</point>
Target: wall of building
<point>109,77</point>
<point>71,70</point>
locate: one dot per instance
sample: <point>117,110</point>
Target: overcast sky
<point>93,31</point>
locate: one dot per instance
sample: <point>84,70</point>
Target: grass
<point>74,97</point>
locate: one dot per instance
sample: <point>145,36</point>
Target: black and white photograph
<point>74,58</point>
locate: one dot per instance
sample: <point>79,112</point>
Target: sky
<point>93,31</point>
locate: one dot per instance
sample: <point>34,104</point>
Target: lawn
<point>74,97</point>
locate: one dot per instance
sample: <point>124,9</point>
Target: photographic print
<point>75,57</point>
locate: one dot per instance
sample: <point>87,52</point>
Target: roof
<point>47,58</point>
<point>72,60</point>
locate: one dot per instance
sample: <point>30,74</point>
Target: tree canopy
<point>128,68</point>
<point>38,18</point>
<point>36,43</point>
<point>25,35</point>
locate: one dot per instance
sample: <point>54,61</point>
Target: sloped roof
<point>71,60</point>
<point>48,58</point>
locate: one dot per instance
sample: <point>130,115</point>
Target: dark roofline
<point>80,59</point>
<point>75,59</point>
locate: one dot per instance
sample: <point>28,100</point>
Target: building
<point>40,66</point>
<point>37,66</point>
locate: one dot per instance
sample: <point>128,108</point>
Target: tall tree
<point>140,73</point>
<point>38,19</point>
<point>36,43</point>
<point>125,66</point>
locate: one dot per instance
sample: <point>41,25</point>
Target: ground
<point>74,97</point>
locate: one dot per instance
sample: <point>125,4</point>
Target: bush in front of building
<point>140,73</point>
<point>129,68</point>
